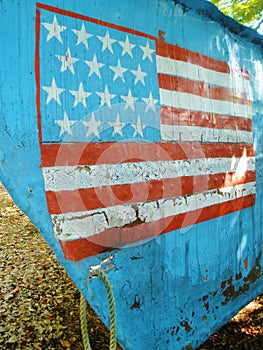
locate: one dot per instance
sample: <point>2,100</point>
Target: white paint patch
<point>71,177</point>
<point>85,224</point>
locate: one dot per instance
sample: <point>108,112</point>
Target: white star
<point>80,96</point>
<point>82,35</point>
<point>147,52</point>
<point>53,92</point>
<point>138,127</point>
<point>67,62</point>
<point>139,75</point>
<point>118,71</point>
<point>150,102</point>
<point>65,125</point>
<point>117,126</point>
<point>105,97</point>
<point>94,66</point>
<point>107,42</point>
<point>54,29</point>
<point>130,100</point>
<point>92,126</point>
<point>126,46</point>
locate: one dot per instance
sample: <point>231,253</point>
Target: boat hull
<point>185,244</point>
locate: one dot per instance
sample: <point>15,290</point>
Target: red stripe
<point>116,238</point>
<point>178,53</point>
<point>115,152</point>
<point>199,88</point>
<point>93,20</point>
<point>107,196</point>
<point>37,74</point>
<point>176,116</point>
<point>81,249</point>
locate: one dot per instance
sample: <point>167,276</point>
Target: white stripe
<point>71,177</point>
<point>234,82</point>
<point>201,134</point>
<point>198,103</point>
<point>86,224</point>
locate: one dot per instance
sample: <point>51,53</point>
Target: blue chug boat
<point>131,135</point>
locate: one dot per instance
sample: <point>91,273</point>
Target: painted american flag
<point>138,137</point>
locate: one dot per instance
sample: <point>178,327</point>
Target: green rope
<point>83,323</point>
<point>83,316</point>
<point>106,282</point>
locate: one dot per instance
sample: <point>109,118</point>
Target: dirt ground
<point>39,305</point>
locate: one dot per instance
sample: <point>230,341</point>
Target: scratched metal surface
<point>172,291</point>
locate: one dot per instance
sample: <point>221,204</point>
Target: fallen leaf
<point>65,343</point>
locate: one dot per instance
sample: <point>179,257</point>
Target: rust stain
<point>137,303</point>
<point>246,263</point>
<point>238,276</point>
<point>186,325</point>
<point>231,293</point>
<point>230,281</point>
<point>255,273</point>
<point>228,288</point>
<point>205,297</point>
<point>223,284</point>
<point>206,305</point>
<point>161,35</point>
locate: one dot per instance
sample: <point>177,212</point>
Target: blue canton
<point>97,83</point>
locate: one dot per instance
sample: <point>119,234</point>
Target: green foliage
<point>248,12</point>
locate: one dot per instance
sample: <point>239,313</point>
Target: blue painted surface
<point>180,287</point>
<point>52,111</point>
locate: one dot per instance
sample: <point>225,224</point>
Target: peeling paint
<point>136,303</point>
<point>161,35</point>
<point>231,293</point>
<point>246,263</point>
<point>206,305</point>
<point>186,325</point>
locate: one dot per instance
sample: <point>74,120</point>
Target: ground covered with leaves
<point>39,304</point>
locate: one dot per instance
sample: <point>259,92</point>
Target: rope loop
<point>98,272</point>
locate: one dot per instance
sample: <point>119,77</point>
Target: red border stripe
<point>93,20</point>
<point>116,238</point>
<point>37,75</point>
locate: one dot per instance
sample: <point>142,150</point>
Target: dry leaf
<point>65,343</point>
